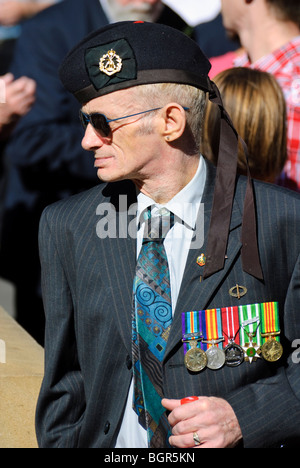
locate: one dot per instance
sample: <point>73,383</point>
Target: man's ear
<point>173,121</point>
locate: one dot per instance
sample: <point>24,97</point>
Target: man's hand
<point>213,419</point>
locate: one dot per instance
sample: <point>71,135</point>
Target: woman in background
<point>256,105</point>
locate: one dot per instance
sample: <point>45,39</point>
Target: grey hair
<point>160,94</point>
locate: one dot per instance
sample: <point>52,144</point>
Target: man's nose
<point>91,140</point>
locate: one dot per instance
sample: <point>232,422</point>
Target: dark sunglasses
<point>101,123</point>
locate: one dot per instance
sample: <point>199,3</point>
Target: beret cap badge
<point>116,65</point>
<point>110,63</point>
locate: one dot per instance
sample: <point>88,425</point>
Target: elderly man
<point>170,317</point>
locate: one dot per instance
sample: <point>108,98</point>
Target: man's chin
<point>105,176</point>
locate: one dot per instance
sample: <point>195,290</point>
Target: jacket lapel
<point>123,250</point>
<point>194,293</point>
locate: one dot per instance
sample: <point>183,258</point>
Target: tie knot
<point>158,226</point>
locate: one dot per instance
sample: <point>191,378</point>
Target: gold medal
<point>195,359</point>
<point>272,350</point>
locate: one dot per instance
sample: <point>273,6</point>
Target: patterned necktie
<point>152,318</point>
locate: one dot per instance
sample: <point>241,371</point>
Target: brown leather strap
<point>223,200</point>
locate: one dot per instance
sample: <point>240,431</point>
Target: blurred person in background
<point>256,105</point>
<point>16,100</point>
<point>206,19</point>
<point>12,14</point>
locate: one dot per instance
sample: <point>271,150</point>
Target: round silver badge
<point>215,358</point>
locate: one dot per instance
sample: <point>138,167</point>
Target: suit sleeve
<point>61,401</point>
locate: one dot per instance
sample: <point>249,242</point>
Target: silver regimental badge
<point>110,63</point>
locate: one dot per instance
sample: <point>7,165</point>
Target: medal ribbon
<point>231,324</point>
<point>249,316</point>
<point>269,317</point>
<point>191,328</point>
<point>212,327</point>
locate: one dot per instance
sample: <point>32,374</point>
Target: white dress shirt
<point>185,206</point>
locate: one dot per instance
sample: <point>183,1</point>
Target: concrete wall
<point>21,372</point>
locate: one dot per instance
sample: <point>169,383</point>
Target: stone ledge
<point>20,381</point>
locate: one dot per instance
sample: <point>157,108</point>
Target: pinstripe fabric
<point>88,331</point>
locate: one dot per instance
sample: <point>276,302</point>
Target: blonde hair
<point>256,105</point>
<point>160,94</point>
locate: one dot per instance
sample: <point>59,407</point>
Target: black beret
<point>126,54</point>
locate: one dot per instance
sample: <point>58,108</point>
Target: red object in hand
<point>188,399</point>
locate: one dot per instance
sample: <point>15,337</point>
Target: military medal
<point>234,353</point>
<point>215,355</point>
<point>251,350</point>
<point>271,349</point>
<point>212,338</point>
<point>249,316</point>
<point>195,359</point>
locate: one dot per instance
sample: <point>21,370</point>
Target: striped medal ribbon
<point>213,338</point>
<point>234,353</point>
<point>195,358</point>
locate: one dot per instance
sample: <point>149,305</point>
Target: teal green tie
<point>152,320</point>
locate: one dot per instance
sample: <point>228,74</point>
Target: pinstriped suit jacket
<point>87,288</point>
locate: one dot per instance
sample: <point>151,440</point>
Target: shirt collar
<point>185,205</point>
<point>274,60</point>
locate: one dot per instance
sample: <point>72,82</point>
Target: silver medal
<point>215,358</point>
